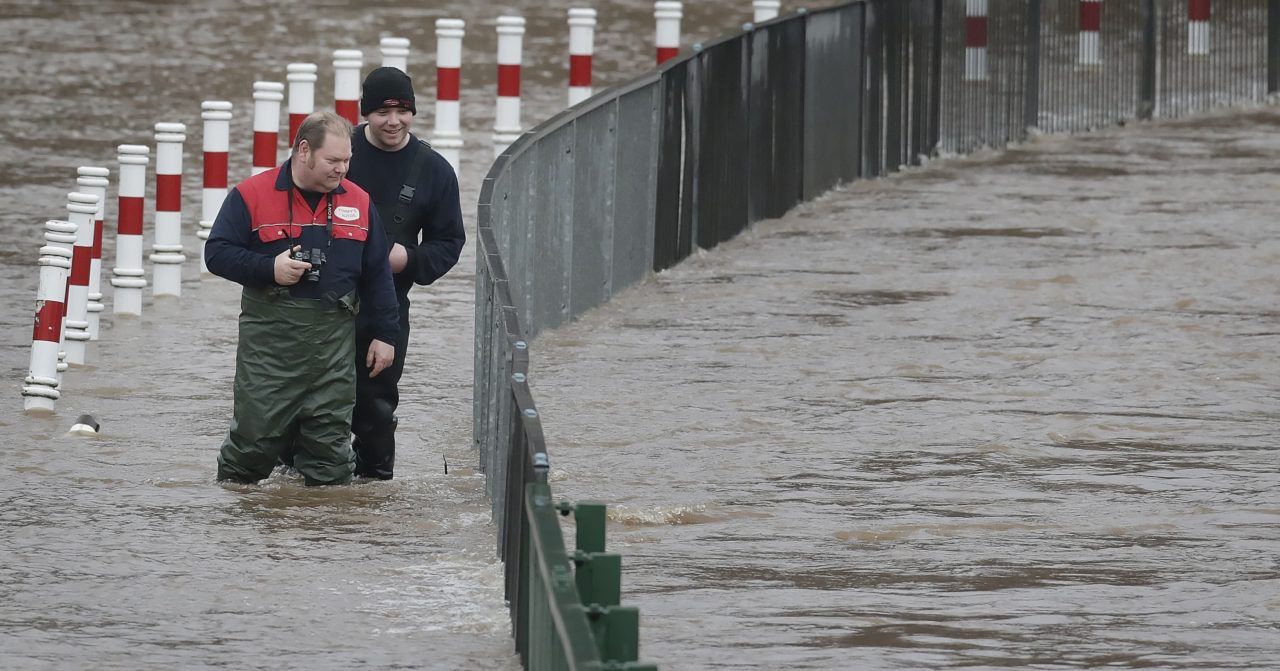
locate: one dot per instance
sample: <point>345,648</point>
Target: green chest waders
<point>295,386</point>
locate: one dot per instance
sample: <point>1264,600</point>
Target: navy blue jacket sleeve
<point>442,235</point>
<point>227,251</point>
<point>377,293</point>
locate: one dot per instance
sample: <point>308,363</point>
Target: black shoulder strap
<point>401,212</point>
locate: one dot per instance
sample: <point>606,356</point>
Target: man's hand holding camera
<point>289,271</point>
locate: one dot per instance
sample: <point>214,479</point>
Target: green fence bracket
<point>599,578</point>
<point>590,518</point>
<point>617,632</point>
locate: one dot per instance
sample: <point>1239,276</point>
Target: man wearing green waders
<point>309,249</point>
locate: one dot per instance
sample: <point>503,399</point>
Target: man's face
<point>389,127</point>
<point>323,169</point>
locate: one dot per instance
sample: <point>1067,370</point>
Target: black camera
<point>316,258</point>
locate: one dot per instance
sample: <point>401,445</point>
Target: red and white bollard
<point>447,136</point>
<point>582,37</point>
<point>667,17</point>
<point>1090,26</point>
<point>166,256</point>
<point>506,118</point>
<point>40,388</point>
<point>127,276</point>
<point>395,53</point>
<point>81,210</point>
<point>347,64</point>
<point>267,97</point>
<point>975,40</point>
<point>92,180</point>
<point>1198,27</point>
<point>302,94</point>
<point>766,9</point>
<point>217,146</point>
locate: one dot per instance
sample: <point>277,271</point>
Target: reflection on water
<point>1011,411</point>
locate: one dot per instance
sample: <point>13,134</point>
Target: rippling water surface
<point>1010,411</point>
<point>120,551</point>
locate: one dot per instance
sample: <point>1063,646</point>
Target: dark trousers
<point>374,419</point>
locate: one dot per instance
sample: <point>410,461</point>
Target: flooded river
<point>1016,410</point>
<point>1012,411</point>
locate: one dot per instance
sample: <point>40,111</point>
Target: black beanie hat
<point>386,87</point>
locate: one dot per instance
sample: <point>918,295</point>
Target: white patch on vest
<point>346,213</point>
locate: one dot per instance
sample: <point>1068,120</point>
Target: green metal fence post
<point>599,578</point>
<point>590,519</point>
<point>622,634</point>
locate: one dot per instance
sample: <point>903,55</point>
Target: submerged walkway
<point>1010,411</point>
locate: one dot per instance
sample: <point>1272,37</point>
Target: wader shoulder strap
<point>400,214</point>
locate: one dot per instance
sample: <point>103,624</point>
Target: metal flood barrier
<point>743,128</point>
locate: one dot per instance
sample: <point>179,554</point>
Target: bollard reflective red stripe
<point>264,148</point>
<point>448,83</point>
<point>1198,10</point>
<point>48,327</point>
<point>579,70</point>
<point>348,109</point>
<point>215,169</point>
<point>509,80</point>
<point>1091,15</point>
<point>130,222</point>
<point>80,258</point>
<point>975,31</point>
<point>168,193</point>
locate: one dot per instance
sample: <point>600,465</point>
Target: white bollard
<point>447,136</point>
<point>127,276</point>
<point>40,388</point>
<point>217,146</point>
<point>81,210</point>
<point>93,181</point>
<point>395,53</point>
<point>765,10</point>
<point>267,97</point>
<point>582,35</point>
<point>1198,12</point>
<point>347,64</point>
<point>85,425</point>
<point>506,117</point>
<point>975,40</point>
<point>302,94</point>
<point>667,17</point>
<point>1090,26</point>
<point>167,257</point>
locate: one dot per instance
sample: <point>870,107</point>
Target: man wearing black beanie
<point>416,194</point>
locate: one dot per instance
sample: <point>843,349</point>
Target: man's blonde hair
<point>317,125</point>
